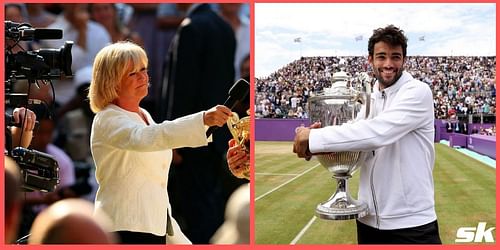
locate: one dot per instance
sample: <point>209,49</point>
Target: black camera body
<point>42,64</point>
<point>40,171</point>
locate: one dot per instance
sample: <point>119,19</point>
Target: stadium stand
<point>462,85</point>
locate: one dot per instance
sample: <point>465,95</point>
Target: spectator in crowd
<point>107,15</point>
<point>39,17</point>
<point>236,226</point>
<point>13,202</point>
<point>88,36</point>
<point>74,126</point>
<point>144,22</point>
<point>241,27</point>
<point>168,19</point>
<point>16,12</point>
<point>491,131</point>
<point>74,134</point>
<point>71,221</point>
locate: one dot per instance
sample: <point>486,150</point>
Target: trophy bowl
<point>336,106</point>
<point>240,129</point>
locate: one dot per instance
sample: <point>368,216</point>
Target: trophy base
<point>341,206</point>
<point>352,212</point>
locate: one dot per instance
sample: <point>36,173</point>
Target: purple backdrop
<point>277,129</point>
<point>284,130</point>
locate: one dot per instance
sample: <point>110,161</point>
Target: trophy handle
<point>364,99</point>
<point>231,122</point>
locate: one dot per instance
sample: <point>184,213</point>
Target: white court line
<point>274,174</point>
<point>278,187</point>
<point>303,231</point>
<point>306,227</point>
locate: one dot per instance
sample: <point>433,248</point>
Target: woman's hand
<point>217,116</point>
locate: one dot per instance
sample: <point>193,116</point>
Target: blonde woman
<point>131,152</point>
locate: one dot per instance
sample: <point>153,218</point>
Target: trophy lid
<point>340,76</point>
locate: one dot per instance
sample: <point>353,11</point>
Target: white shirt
<point>132,162</point>
<point>398,137</point>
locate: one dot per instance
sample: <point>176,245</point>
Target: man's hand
<point>238,160</point>
<point>301,142</point>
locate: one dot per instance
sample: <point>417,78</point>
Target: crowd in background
<point>64,117</point>
<point>461,84</point>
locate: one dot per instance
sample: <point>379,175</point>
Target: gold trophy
<point>240,129</point>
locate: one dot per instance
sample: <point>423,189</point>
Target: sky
<point>331,29</point>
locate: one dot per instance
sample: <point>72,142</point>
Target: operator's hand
<point>21,137</point>
<point>25,117</point>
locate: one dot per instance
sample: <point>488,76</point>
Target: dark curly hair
<point>391,35</point>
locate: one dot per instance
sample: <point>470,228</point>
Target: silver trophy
<point>335,106</point>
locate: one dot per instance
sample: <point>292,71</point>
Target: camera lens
<point>58,58</point>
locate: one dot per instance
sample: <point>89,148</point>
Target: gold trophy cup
<point>240,129</point>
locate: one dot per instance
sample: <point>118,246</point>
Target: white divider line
<point>303,231</point>
<point>278,187</point>
<point>274,174</point>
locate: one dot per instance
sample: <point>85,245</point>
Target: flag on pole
<point>422,38</point>
<point>297,40</point>
<point>358,38</point>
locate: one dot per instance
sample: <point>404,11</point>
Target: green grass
<point>464,190</point>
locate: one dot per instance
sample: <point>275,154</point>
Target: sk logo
<point>473,234</point>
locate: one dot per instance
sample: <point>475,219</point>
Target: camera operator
<point>27,68</point>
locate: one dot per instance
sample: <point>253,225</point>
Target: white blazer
<point>132,162</point>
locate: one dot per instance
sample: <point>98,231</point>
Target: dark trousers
<point>425,234</point>
<point>127,237</point>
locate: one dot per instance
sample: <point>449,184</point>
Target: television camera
<point>40,171</point>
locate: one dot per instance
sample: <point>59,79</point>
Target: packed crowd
<point>461,85</point>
